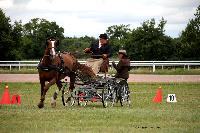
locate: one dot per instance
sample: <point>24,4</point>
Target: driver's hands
<point>113,63</point>
<point>104,56</point>
<point>87,50</point>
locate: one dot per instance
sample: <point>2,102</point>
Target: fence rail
<point>152,64</point>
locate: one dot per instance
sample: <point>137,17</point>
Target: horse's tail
<point>86,70</point>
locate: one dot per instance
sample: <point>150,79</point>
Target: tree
<point>118,35</point>
<point>16,34</point>
<point>35,33</point>
<point>190,38</point>
<point>8,46</point>
<point>6,43</point>
<point>77,45</point>
<point>148,42</point>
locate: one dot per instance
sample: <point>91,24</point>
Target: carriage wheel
<point>124,94</point>
<point>108,97</point>
<point>67,98</point>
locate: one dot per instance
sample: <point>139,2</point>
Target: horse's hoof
<point>40,105</point>
<point>53,104</point>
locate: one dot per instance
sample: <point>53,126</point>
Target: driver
<point>101,51</point>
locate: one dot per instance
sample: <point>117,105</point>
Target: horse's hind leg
<point>46,88</point>
<point>54,97</point>
<point>72,81</point>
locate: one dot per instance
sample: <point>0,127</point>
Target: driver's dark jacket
<point>104,49</point>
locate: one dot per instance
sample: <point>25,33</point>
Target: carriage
<point>108,90</point>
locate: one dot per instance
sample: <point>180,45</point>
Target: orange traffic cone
<point>6,96</point>
<point>16,99</point>
<point>158,97</point>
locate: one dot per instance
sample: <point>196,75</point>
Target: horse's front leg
<point>42,84</point>
<point>46,88</point>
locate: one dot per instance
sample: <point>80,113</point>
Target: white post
<point>19,66</point>
<point>188,67</point>
<point>154,67</point>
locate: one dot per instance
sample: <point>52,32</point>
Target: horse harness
<point>61,69</point>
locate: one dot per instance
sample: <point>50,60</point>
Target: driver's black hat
<point>103,36</point>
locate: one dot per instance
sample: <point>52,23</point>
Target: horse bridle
<point>52,53</point>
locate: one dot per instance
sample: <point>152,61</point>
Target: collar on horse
<point>50,67</point>
<point>61,69</point>
<point>47,68</point>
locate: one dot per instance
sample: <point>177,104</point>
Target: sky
<point>92,17</point>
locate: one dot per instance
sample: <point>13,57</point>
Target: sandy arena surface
<point>133,78</point>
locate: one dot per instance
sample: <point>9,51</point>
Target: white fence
<point>152,64</point>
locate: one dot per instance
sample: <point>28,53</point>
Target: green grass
<point>142,116</point>
<point>134,70</point>
<point>23,70</point>
<point>167,71</point>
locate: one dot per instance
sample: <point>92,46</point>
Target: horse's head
<point>51,44</point>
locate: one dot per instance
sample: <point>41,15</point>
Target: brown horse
<point>54,67</point>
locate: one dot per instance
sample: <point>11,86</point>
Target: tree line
<point>147,42</point>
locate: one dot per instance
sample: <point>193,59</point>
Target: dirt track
<point>133,78</point>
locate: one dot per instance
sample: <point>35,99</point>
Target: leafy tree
<point>17,40</point>
<point>178,49</point>
<point>10,38</point>
<point>190,38</point>
<point>76,45</point>
<point>6,43</point>
<point>118,35</point>
<point>34,35</point>
<point>148,42</point>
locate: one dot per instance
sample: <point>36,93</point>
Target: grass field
<point>142,116</point>
<point>134,70</point>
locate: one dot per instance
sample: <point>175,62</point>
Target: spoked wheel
<point>67,98</point>
<point>124,94</point>
<point>108,96</point>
